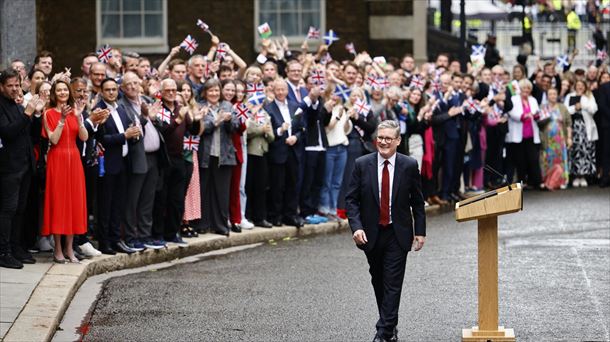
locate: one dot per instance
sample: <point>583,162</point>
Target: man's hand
<point>132,132</point>
<point>360,237</point>
<point>418,242</point>
<point>291,140</point>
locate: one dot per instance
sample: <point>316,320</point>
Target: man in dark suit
<point>384,189</point>
<point>114,136</point>
<point>284,157</point>
<point>16,166</point>
<point>604,130</point>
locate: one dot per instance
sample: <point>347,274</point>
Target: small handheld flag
<point>342,91</point>
<point>313,33</point>
<point>189,44</point>
<point>350,48</point>
<point>330,37</point>
<point>104,53</point>
<point>362,107</point>
<point>191,143</point>
<point>264,31</point>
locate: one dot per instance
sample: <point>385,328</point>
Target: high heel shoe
<point>59,261</point>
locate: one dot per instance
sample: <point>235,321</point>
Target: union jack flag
<point>350,48</point>
<point>317,77</point>
<point>417,82</point>
<point>189,44</point>
<point>382,83</point>
<point>472,106</point>
<point>478,50</point>
<point>602,55</point>
<point>191,143</point>
<point>242,112</point>
<point>203,25</point>
<point>436,84</point>
<point>257,98</point>
<point>362,107</point>
<point>313,33</point>
<point>252,88</point>
<point>330,37</point>
<point>326,59</point>
<point>589,45</point>
<point>165,115</point>
<point>543,114</point>
<point>260,117</point>
<point>207,72</point>
<point>221,51</point>
<point>342,91</point>
<point>498,84</point>
<point>104,53</point>
<point>563,61</point>
<point>371,81</point>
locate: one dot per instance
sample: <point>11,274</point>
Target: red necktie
<point>384,213</point>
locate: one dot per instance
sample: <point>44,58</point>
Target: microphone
<point>494,171</point>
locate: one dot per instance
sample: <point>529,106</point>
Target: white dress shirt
<point>283,106</point>
<point>118,123</point>
<point>380,165</point>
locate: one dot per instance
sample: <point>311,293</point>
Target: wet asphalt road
<point>554,276</point>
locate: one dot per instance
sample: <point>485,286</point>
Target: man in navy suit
<point>284,157</point>
<point>114,136</point>
<point>384,189</point>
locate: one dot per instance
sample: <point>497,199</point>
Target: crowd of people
<point>136,154</point>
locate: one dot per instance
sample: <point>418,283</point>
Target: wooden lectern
<point>486,208</point>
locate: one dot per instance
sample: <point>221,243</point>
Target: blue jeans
<point>336,157</point>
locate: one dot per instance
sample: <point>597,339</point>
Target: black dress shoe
<point>277,222</point>
<point>222,232</point>
<point>235,228</point>
<point>263,224</point>
<point>120,247</point>
<point>300,222</point>
<point>8,261</point>
<point>23,256</point>
<point>394,337</point>
<point>379,339</point>
<point>107,250</point>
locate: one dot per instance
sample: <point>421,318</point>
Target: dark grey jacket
<point>227,150</point>
<point>137,155</point>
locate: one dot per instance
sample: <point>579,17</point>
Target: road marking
<point>593,297</point>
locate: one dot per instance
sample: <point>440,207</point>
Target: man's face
<point>79,91</point>
<point>144,68</point>
<point>295,70</point>
<point>20,68</point>
<point>226,75</point>
<point>486,76</point>
<point>86,66</point>
<point>445,82</point>
<point>280,90</point>
<point>45,64</point>
<point>110,91</point>
<point>168,93</point>
<point>350,74</point>
<point>545,83</point>
<point>131,64</point>
<point>387,142</point>
<point>178,72</point>
<point>131,86</point>
<point>442,61</point>
<point>97,74</point>
<point>408,63</point>
<point>197,68</point>
<point>11,88</point>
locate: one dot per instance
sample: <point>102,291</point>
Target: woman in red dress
<point>65,203</point>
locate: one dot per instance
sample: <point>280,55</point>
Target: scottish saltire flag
<point>191,143</point>
<point>189,44</point>
<point>330,37</point>
<point>104,53</point>
<point>478,50</point>
<point>563,61</point>
<point>257,98</point>
<point>342,91</point>
<point>313,33</point>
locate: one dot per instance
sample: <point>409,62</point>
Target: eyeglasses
<point>386,139</point>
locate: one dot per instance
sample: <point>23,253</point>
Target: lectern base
<point>475,335</point>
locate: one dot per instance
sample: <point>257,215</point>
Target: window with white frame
<point>291,18</point>
<point>137,25</point>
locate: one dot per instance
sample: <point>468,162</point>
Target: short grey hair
<point>388,124</point>
<point>525,83</point>
<point>191,60</point>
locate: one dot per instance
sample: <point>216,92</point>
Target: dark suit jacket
<point>362,200</point>
<point>16,151</point>
<point>112,140</point>
<point>604,105</point>
<point>278,149</point>
<point>137,155</point>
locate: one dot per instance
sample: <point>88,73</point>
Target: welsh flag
<point>264,31</point>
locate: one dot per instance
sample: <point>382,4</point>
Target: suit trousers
<point>525,158</point>
<point>172,197</point>
<point>256,188</point>
<point>234,197</point>
<point>14,188</point>
<point>312,182</point>
<point>91,183</point>
<point>215,184</point>
<point>111,207</point>
<point>450,154</point>
<point>140,201</point>
<point>387,261</point>
<point>283,189</point>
